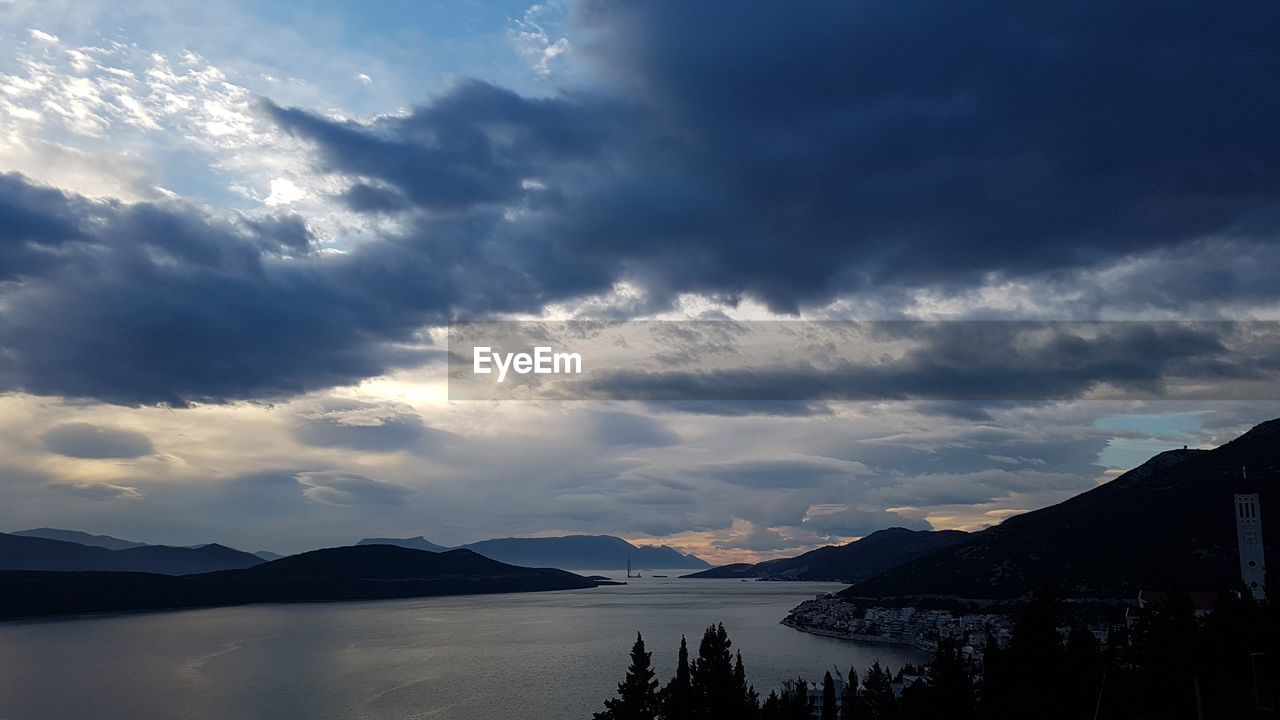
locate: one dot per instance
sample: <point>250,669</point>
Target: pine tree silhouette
<point>877,694</point>
<point>637,693</point>
<point>828,697</point>
<point>678,699</point>
<point>712,674</point>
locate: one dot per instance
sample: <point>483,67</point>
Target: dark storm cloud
<point>788,156</point>
<point>369,199</point>
<point>475,145</point>
<point>159,303</point>
<point>975,449</point>
<point>36,224</point>
<point>285,232</point>
<point>990,361</point>
<point>973,411</point>
<point>82,440</point>
<point>796,155</point>
<point>727,408</point>
<point>800,473</point>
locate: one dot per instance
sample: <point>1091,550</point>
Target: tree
<point>749,707</point>
<point>771,709</point>
<point>950,685</point>
<point>679,701</point>
<point>796,701</point>
<point>1167,651</point>
<point>1029,678</point>
<point>1035,638</point>
<point>712,675</point>
<point>828,697</point>
<point>637,693</point>
<point>1083,672</point>
<point>877,694</point>
<point>849,701</point>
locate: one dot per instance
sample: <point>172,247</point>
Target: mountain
<point>859,560</point>
<point>572,552</point>
<point>20,552</point>
<point>732,570</point>
<point>167,560</point>
<point>415,543</point>
<point>80,538</point>
<point>585,552</point>
<point>361,572</point>
<point>387,562</point>
<point>1168,524</point>
<point>267,555</point>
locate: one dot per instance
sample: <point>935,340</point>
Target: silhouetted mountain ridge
<point>570,552</point>
<point>584,552</point>
<point>80,538</point>
<point>381,562</point>
<point>859,560</point>
<point>19,552</point>
<point>416,543</point>
<point>1169,523</point>
<point>366,572</point>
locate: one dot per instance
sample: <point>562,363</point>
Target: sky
<point>232,237</point>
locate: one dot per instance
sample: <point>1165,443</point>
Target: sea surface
<point>529,656</point>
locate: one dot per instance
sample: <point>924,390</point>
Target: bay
<point>535,656</point>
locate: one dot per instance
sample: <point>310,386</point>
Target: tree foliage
<point>1170,664</point>
<point>637,693</point>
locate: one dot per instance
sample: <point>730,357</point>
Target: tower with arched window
<point>1249,539</point>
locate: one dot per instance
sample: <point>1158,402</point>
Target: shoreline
<point>851,637</point>
<point>904,626</point>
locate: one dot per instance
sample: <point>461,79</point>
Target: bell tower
<point>1249,539</point>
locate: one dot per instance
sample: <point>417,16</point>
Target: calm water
<point>535,656</point>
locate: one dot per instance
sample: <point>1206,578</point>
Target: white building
<point>1249,540</point>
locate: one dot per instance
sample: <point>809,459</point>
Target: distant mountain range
<point>25,552</point>
<point>415,543</point>
<point>859,560</point>
<point>1168,524</point>
<point>113,543</point>
<point>80,538</point>
<point>570,552</point>
<point>72,550</point>
<point>347,573</point>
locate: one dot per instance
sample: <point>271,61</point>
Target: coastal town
<point>829,615</point>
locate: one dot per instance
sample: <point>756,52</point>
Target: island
<point>365,572</point>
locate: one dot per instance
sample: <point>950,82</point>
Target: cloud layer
<point>272,251</point>
<point>855,151</point>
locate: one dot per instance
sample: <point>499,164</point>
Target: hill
<point>19,552</point>
<point>861,559</point>
<point>1169,523</point>
<point>415,543</point>
<point>80,538</point>
<point>585,552</point>
<point>365,572</point>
